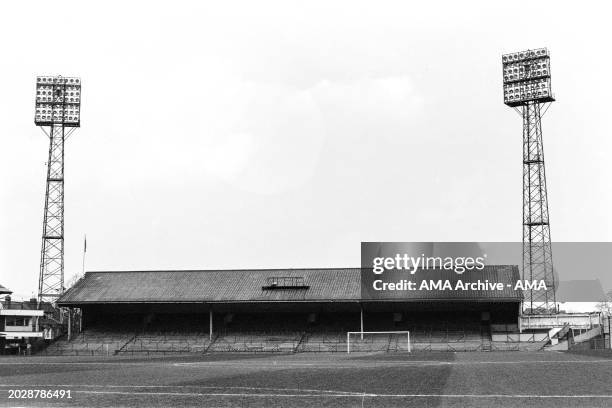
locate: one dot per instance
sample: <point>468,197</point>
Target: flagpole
<point>84,252</point>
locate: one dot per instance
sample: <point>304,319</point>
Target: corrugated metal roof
<point>213,286</point>
<point>4,290</point>
<point>333,284</point>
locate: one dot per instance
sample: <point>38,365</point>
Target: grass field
<point>544,379</point>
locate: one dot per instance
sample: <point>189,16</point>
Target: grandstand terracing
<point>442,337</point>
<point>90,342</point>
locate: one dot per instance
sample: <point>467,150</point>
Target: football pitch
<point>512,379</point>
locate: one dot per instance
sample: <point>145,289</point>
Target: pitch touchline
<point>332,364</point>
<point>175,386</point>
<point>349,363</point>
<point>323,393</point>
<point>359,395</point>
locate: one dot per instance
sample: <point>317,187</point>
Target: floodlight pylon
<point>58,103</point>
<point>527,87</point>
<point>537,247</point>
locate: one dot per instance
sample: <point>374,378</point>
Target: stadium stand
<point>288,310</point>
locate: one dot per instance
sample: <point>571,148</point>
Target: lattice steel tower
<point>527,88</point>
<point>58,105</point>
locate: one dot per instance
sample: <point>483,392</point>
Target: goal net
<point>378,341</point>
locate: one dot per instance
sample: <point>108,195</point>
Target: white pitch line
<point>73,386</point>
<point>355,395</point>
<point>321,364</point>
<point>224,394</point>
<point>490,396</point>
<point>323,393</point>
<point>360,363</point>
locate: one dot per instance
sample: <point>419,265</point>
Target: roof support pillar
<point>69,324</point>
<point>210,324</point>
<point>361,320</point>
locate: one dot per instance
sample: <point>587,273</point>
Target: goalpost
<point>348,337</point>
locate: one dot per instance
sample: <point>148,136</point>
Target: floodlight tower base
<point>51,279</point>
<point>537,249</point>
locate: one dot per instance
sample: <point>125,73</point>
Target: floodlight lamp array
<point>58,101</point>
<point>525,55</point>
<point>523,71</point>
<point>520,92</point>
<point>526,77</point>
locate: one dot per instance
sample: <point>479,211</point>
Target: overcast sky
<point>230,134</point>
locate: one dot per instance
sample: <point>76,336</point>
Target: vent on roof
<point>285,282</point>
